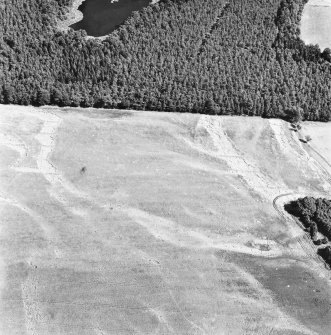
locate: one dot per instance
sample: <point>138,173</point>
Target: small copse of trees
<point>315,214</point>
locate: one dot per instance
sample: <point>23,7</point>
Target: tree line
<point>213,57</point>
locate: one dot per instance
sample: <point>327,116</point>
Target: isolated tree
<point>326,54</point>
<point>294,114</point>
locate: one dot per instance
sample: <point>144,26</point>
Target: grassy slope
<point>171,229</point>
<point>319,147</point>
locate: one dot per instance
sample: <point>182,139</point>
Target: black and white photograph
<point>165,167</point>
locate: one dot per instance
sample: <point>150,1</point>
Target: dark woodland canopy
<point>241,57</point>
<point>315,215</point>
<point>311,212</point>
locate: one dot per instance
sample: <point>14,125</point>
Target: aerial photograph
<point>165,167</point>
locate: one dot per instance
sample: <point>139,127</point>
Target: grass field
<point>316,23</point>
<point>174,227</point>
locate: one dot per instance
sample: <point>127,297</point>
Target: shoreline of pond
<point>74,15</point>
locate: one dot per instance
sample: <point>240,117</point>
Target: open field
<point>319,147</point>
<point>175,227</point>
<point>316,23</point>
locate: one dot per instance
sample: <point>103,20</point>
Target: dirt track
<point>171,230</point>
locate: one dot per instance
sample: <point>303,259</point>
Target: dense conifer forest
<point>213,56</point>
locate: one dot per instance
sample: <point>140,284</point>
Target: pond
<point>316,23</point>
<point>101,17</point>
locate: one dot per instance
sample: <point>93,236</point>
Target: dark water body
<point>101,17</point>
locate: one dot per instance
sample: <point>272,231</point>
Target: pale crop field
<point>316,23</point>
<point>122,222</point>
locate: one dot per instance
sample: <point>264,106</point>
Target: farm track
<point>239,164</point>
<point>252,174</point>
<point>304,241</point>
<point>320,155</point>
<point>133,264</point>
<point>326,173</point>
